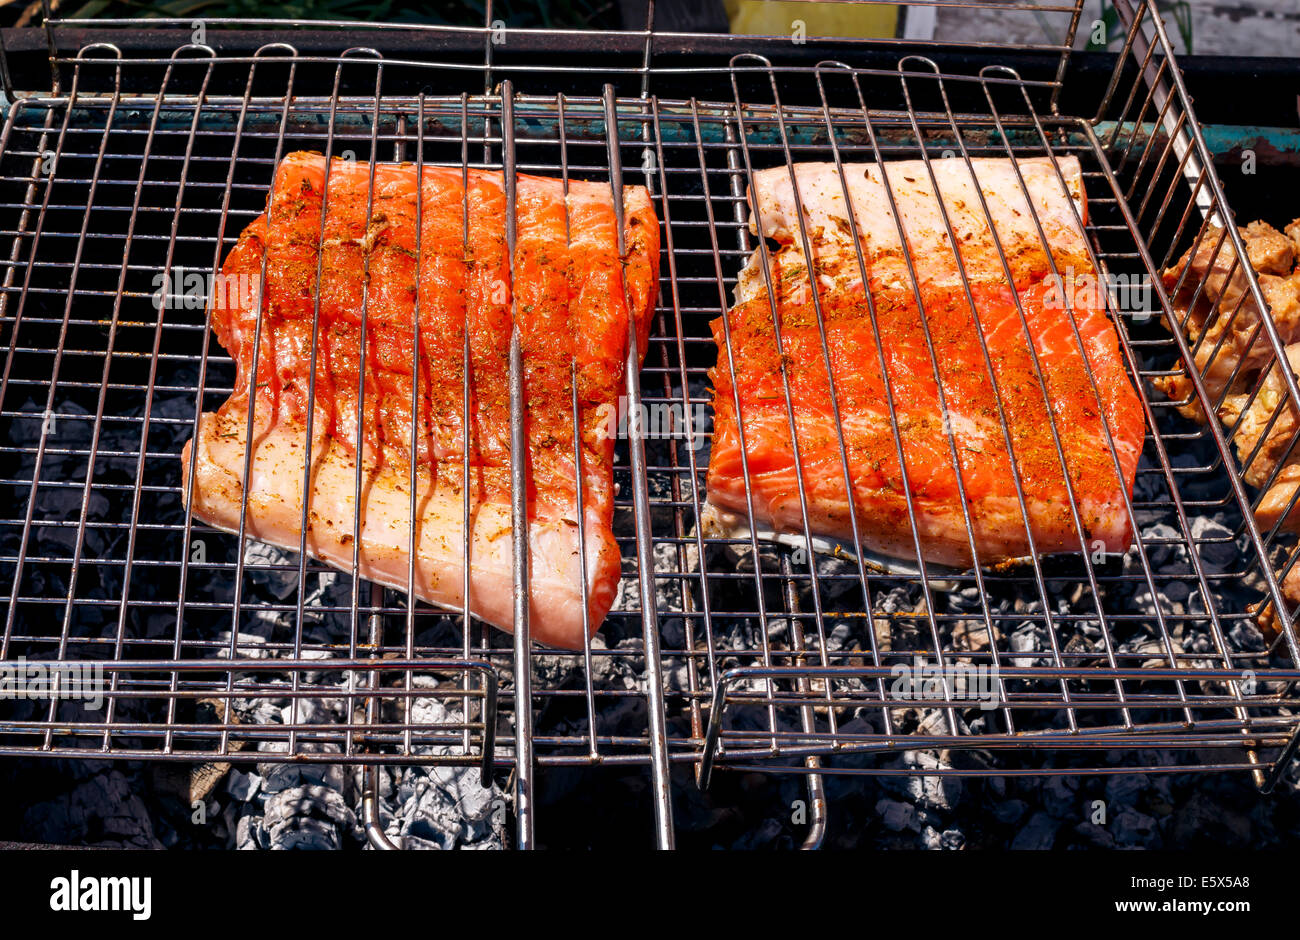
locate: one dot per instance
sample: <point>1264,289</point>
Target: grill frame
<point>714,690</point>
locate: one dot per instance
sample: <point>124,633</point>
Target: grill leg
<point>375,834</point>
<point>1283,761</point>
<point>817,803</point>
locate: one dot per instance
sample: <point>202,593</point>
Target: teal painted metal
<point>1271,145</point>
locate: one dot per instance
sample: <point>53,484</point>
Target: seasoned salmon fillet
<point>573,296</point>
<point>1086,421</point>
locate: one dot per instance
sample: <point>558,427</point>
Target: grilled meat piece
<point>1208,289</point>
<point>1221,319</point>
<point>573,296</point>
<point>752,361</point>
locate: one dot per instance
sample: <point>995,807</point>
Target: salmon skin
<point>752,361</point>
<point>573,297</point>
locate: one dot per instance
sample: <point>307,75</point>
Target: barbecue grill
<point>145,154</point>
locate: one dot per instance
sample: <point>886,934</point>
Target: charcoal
<point>261,712</point>
<point>280,581</point>
<point>308,800</point>
<point>101,810</point>
<point>972,635</point>
<point>279,777</point>
<point>1245,635</point>
<point>1026,639</point>
<point>315,805</point>
<point>1162,546</point>
<point>896,815</point>
<point>1037,834</point>
<point>312,711</point>
<point>840,576</point>
<point>1009,811</point>
<point>1060,796</point>
<point>445,812</point>
<point>251,834</point>
<point>248,646</point>
<point>1215,555</point>
<point>304,833</point>
<point>935,722</point>
<point>243,787</point>
<point>930,792</point>
<point>1131,827</point>
<point>952,840</point>
<point>1203,821</point>
<point>666,598</point>
<point>555,671</point>
<point>1125,788</point>
<point>1176,593</point>
<point>1095,835</point>
<point>767,833</point>
<point>415,843</point>
<point>930,839</point>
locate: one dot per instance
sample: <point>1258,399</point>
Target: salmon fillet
<point>1084,420</point>
<point>573,296</point>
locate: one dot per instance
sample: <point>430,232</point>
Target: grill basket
<point>149,151</point>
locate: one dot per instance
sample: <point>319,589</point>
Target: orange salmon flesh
<point>433,248</point>
<point>1097,430</point>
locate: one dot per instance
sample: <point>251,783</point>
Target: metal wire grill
<point>754,652</point>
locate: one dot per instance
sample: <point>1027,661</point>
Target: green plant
<point>1180,10</point>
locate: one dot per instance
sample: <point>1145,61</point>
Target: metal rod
<point>662,788</point>
<point>524,835</point>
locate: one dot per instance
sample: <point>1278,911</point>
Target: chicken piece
<point>1266,614</point>
<point>1274,443</point>
<point>1293,232</point>
<point>1222,319</point>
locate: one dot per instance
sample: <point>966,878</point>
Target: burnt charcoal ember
<point>769,834</point>
<point>1029,637</point>
<point>667,588</point>
<point>1204,821</point>
<point>952,840</point>
<point>1060,796</point>
<point>250,833</point>
<point>278,777</point>
<point>1126,788</point>
<point>309,816</point>
<point>101,810</point>
<point>1038,833</point>
<point>1246,636</point>
<point>1130,827</point>
<point>927,792</point>
<point>1092,834</point>
<point>1009,811</point>
<point>896,815</point>
<point>1215,544</point>
<point>243,786</point>
<point>246,646</point>
<point>271,569</point>
<point>446,806</point>
<point>1164,547</point>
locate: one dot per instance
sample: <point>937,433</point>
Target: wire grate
<point>754,652</point>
